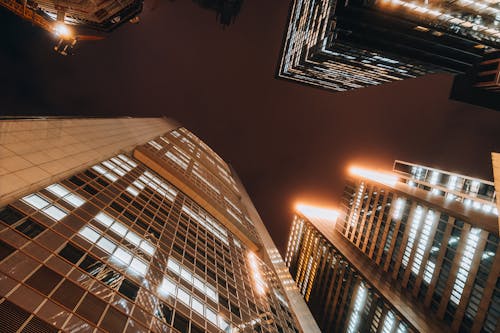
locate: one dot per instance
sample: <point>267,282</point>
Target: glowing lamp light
<point>317,212</point>
<point>62,30</point>
<point>380,177</point>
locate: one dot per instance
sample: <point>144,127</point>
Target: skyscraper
<point>412,250</point>
<point>343,45</point>
<point>495,157</point>
<point>132,225</point>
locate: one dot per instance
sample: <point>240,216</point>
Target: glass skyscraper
<point>138,227</point>
<point>414,250</point>
<point>343,45</point>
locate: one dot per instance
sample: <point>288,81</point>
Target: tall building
<point>343,45</point>
<point>72,21</point>
<point>414,250</point>
<point>132,225</point>
<point>495,157</point>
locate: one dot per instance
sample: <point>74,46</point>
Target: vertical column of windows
<point>449,256</point>
<point>399,237</point>
<point>389,322</point>
<point>359,304</point>
<point>422,242</point>
<point>368,216</point>
<point>376,221</point>
<point>415,224</point>
<point>493,313</point>
<point>463,273</point>
<point>355,213</point>
<point>485,265</point>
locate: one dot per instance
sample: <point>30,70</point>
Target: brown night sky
<point>287,142</point>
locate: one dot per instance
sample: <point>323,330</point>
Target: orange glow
<point>380,177</point>
<point>62,30</point>
<point>317,212</point>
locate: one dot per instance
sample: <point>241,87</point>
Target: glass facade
<point>341,297</point>
<point>123,247</point>
<point>342,45</point>
<point>444,259</point>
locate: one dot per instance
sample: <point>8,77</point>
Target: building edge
<point>272,257</point>
<point>495,160</point>
<point>22,175</point>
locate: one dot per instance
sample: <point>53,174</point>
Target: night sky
<point>288,142</point>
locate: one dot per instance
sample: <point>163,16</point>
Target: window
<point>51,210</point>
<point>192,278</point>
<point>169,288</point>
<point>77,181</point>
<point>90,190</point>
<point>5,250</point>
<point>118,252</point>
<point>91,308</point>
<point>165,313</point>
<point>68,294</point>
<point>71,253</point>
<point>129,289</point>
<point>181,323</point>
<point>197,305</point>
<point>55,212</point>
<point>183,296</point>
<point>44,280</point>
<point>122,230</point>
<point>30,228</point>
<point>10,216</point>
<point>114,320</point>
<point>61,192</point>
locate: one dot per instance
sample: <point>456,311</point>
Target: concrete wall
<point>37,152</point>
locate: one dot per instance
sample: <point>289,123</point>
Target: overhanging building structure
<point>415,250</point>
<point>132,225</point>
<point>343,45</point>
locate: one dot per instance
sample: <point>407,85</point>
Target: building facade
<point>158,236</point>
<point>343,45</point>
<point>424,250</point>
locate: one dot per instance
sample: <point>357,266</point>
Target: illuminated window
<point>36,201</point>
<point>465,265</point>
<point>123,231</point>
<point>398,208</point>
<point>359,304</point>
<point>155,145</point>
<point>208,223</point>
<point>132,190</point>
<point>389,322</point>
<point>176,160</point>
<point>422,243</point>
<point>194,279</point>
<point>115,168</point>
<point>204,180</point>
<point>156,184</point>
<point>415,224</point>
<point>128,160</point>
<point>169,288</point>
<point>108,174</point>
<point>52,210</point>
<point>118,253</point>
